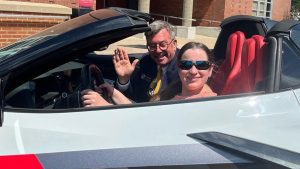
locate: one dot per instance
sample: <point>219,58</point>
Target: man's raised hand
<point>122,65</point>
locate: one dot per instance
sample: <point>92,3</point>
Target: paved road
<point>136,44</point>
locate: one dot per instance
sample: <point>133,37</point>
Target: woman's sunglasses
<point>200,65</point>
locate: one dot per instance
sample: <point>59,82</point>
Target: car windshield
<point>295,34</point>
<point>45,35</point>
<point>21,45</point>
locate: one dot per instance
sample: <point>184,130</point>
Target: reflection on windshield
<point>295,33</point>
<point>21,45</point>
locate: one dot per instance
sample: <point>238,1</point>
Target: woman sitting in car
<point>195,63</point>
<point>195,67</point>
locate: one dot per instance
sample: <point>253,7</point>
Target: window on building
<point>262,8</point>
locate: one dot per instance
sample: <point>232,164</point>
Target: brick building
<point>21,18</point>
<point>208,12</point>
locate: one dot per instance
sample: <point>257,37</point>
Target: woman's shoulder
<point>178,97</point>
<point>207,91</point>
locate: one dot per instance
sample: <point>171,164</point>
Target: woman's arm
<point>115,94</point>
<point>91,98</point>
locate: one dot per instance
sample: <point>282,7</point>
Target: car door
<point>259,117</point>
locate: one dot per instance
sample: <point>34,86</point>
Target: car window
<point>295,34</point>
<point>54,88</point>
<point>290,65</point>
<point>60,87</point>
<point>45,90</point>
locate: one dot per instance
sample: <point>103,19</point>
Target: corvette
<point>252,123</point>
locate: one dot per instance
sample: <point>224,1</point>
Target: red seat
<point>242,69</point>
<point>227,79</point>
<point>252,59</point>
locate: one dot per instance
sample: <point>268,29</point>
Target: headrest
<point>252,67</point>
<point>222,81</point>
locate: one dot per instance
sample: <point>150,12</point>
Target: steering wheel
<point>91,75</point>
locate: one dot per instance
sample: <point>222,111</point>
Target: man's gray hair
<point>158,25</point>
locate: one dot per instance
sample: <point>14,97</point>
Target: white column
<point>187,12</point>
<point>144,6</point>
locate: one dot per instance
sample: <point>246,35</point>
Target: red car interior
<point>242,68</point>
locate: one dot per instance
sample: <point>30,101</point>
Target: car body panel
<point>141,157</point>
<point>297,93</point>
<point>250,117</point>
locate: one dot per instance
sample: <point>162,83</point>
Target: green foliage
<point>296,5</point>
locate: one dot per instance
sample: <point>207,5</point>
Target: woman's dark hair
<point>195,45</point>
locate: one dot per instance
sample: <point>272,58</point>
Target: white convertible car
<point>254,122</point>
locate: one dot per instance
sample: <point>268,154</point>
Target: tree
<point>295,9</point>
<point>296,5</point>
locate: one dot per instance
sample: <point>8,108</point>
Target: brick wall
<point>21,19</point>
<point>208,12</point>
<point>281,9</point>
<point>67,3</point>
<point>15,28</point>
<point>238,7</point>
<point>163,7</point>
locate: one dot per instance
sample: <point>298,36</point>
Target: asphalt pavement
<point>136,44</point>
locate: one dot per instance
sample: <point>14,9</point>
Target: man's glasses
<point>200,65</point>
<point>163,45</point>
